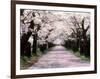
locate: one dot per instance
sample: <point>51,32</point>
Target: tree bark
<point>34,43</point>
<point>24,40</point>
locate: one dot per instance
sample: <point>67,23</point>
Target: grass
<point>26,62</point>
<point>77,53</point>
<point>83,57</point>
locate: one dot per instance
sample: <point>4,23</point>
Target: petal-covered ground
<point>59,57</point>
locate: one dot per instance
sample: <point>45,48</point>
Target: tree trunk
<point>85,44</point>
<point>34,43</point>
<point>24,40</point>
<point>28,49</point>
<point>47,46</point>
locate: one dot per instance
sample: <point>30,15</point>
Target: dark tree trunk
<point>85,44</point>
<point>28,49</point>
<point>23,43</point>
<point>34,43</point>
<point>24,39</point>
<point>47,45</point>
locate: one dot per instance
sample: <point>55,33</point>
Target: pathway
<point>59,57</point>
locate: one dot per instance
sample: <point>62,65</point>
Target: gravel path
<point>59,57</point>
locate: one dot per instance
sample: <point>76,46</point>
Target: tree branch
<point>82,23</point>
<point>87,28</point>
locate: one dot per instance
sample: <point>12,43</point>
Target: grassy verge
<point>83,57</point>
<point>26,62</point>
<point>77,53</point>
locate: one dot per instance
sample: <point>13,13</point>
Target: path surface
<point>59,57</point>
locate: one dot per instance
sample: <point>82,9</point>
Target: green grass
<point>77,53</point>
<point>83,57</point>
<point>26,62</point>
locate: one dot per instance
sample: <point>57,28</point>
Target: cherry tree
<point>80,30</point>
<point>30,24</point>
<point>42,27</point>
